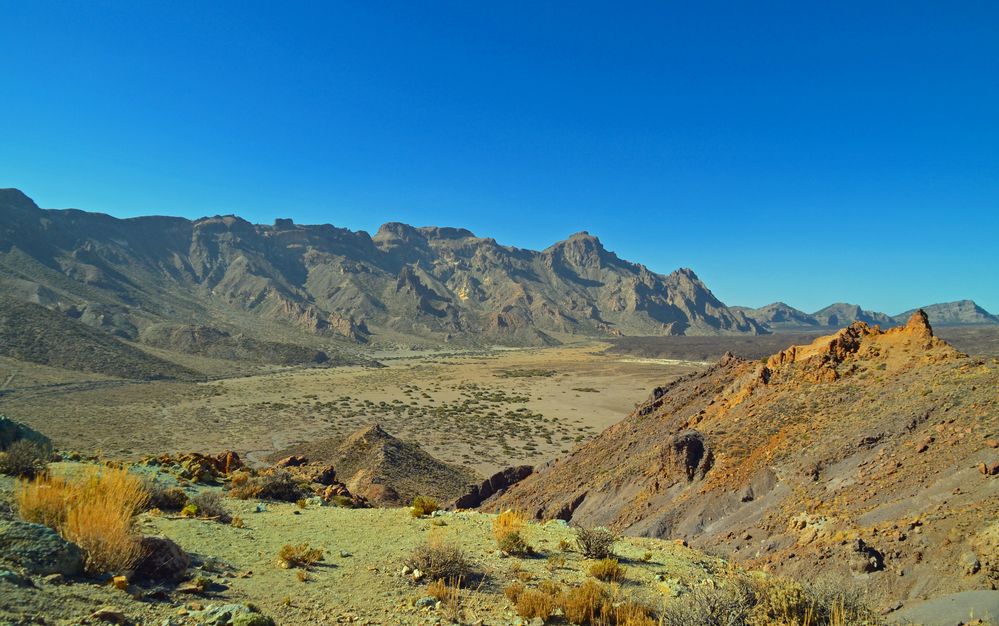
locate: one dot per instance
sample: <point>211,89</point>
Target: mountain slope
<point>288,281</point>
<point>863,440</point>
<point>30,332</point>
<point>959,313</point>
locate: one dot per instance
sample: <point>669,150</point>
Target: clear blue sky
<point>807,152</point>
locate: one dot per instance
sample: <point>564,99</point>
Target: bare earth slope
<point>888,438</point>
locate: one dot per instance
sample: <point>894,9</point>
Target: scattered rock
<point>425,602</point>
<point>291,461</point>
<point>38,549</point>
<point>109,614</point>
<point>970,563</point>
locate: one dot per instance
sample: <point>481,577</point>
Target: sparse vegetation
<point>210,504</point>
<point>508,530</point>
<point>438,559</point>
<point>275,485</point>
<point>300,555</point>
<point>532,603</point>
<point>595,543</point>
<point>165,498</point>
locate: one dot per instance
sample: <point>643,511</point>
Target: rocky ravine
<point>871,453</point>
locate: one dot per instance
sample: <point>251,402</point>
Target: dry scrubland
<point>305,563</point>
<point>487,410</point>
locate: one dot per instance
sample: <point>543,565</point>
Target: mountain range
<point>223,287</point>
<point>779,316</point>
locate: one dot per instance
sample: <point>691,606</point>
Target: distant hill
<point>959,313</point>
<point>843,314</point>
<point>30,332</point>
<point>782,317</point>
<point>292,283</point>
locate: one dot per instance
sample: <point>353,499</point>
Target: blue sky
<point>833,152</point>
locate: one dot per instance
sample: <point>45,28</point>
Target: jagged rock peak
<point>919,324</point>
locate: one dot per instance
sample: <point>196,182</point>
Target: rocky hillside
<point>288,281</point>
<point>868,452</point>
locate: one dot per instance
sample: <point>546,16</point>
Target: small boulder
<point>162,559</point>
<point>865,558</point>
<point>230,615</point>
<point>292,461</point>
<point>38,549</point>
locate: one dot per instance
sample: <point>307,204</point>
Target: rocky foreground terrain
<point>873,454</point>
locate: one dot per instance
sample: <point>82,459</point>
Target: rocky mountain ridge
<point>291,282</point>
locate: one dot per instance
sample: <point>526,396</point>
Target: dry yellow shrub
<point>607,570</point>
<point>508,522</point>
<point>582,604</point>
<point>533,603</point>
<point>96,513</point>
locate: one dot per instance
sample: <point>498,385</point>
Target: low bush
<point>440,560</point>
<point>532,603</point>
<point>423,506</point>
<point>300,555</point>
<point>165,498</point>
<point>211,505</point>
<point>514,543</point>
<point>96,513</point>
<point>276,485</point>
<point>513,591</point>
<point>595,543</point>
<point>607,570</point>
<point>23,459</point>
<point>584,604</point>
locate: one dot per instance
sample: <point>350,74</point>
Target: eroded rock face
<point>38,549</point>
<point>495,484</point>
